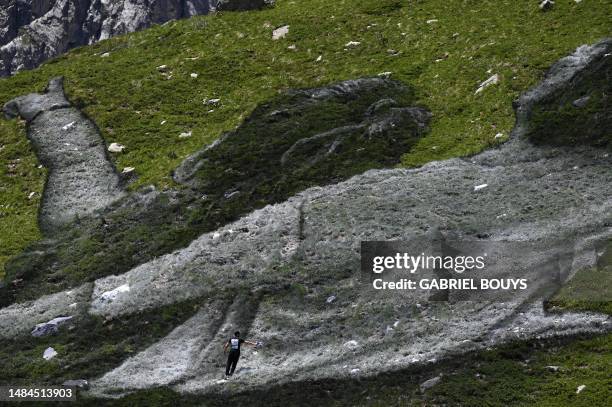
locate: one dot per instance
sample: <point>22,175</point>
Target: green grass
<point>237,61</point>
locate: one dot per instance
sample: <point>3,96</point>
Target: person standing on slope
<point>234,352</point>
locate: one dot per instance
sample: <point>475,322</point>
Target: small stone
<point>280,32</point>
<point>428,384</point>
<point>116,148</point>
<point>49,353</point>
<point>431,21</point>
<point>352,44</point>
<point>162,68</point>
<point>385,74</point>
<point>493,80</point>
<point>127,170</point>
<point>105,55</point>
<point>230,195</point>
<point>194,75</point>
<point>351,344</point>
<point>355,371</point>
<point>481,186</point>
<point>31,195</point>
<point>211,101</point>
<point>185,134</point>
<point>68,126</point>
<point>319,59</point>
<point>330,299</point>
<point>580,388</point>
<point>48,328</point>
<point>163,122</point>
<point>499,135</point>
<point>582,102</point>
<point>553,368</point>
<point>292,47</point>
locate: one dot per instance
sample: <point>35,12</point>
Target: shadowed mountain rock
<point>281,263</point>
<point>32,31</point>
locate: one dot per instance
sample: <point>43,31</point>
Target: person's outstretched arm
<point>225,345</point>
<point>251,343</point>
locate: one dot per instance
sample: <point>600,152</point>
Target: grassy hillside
<point>444,48</point>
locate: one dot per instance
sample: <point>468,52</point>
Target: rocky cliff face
<point>32,31</point>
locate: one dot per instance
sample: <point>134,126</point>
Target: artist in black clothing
<point>234,352</point>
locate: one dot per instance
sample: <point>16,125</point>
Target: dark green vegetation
<point>87,346</point>
<point>578,115</point>
<point>237,61</point>
<point>298,140</point>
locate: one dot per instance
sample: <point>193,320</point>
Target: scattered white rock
<point>194,75</point>
<point>280,32</point>
<point>212,101</point>
<point>433,20</point>
<point>292,47</point>
<point>330,299</point>
<point>31,195</point>
<point>49,353</point>
<point>162,68</point>
<point>428,384</point>
<point>493,80</point>
<point>481,186</point>
<point>351,44</point>
<point>68,126</point>
<point>499,135</point>
<point>127,170</point>
<point>185,134</point>
<point>580,388</point>
<point>112,294</point>
<point>105,55</point>
<point>163,122</point>
<point>385,74</point>
<point>116,148</point>
<point>50,327</point>
<point>355,371</point>
<point>351,344</point>
<point>319,59</point>
<point>230,195</point>
<point>553,368</point>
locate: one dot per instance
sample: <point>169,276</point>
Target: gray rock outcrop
<point>32,31</point>
<point>81,178</point>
